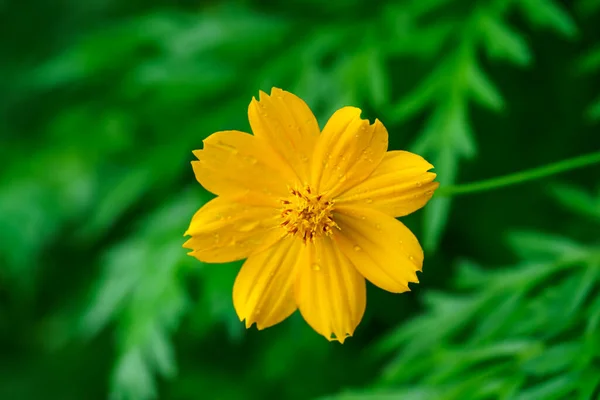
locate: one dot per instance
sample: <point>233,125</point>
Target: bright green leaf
<point>483,90</point>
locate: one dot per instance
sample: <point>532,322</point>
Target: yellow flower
<point>312,211</point>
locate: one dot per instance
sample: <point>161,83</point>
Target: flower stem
<point>520,177</point>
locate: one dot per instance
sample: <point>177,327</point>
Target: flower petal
<point>287,124</point>
<point>383,250</point>
<point>330,293</point>
<point>238,165</point>
<point>263,290</point>
<point>348,151</point>
<point>399,186</point>
<point>224,231</point>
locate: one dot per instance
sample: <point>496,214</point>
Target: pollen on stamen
<point>307,215</point>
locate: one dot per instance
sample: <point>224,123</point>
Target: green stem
<point>520,177</point>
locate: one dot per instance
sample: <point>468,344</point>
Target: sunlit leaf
<point>483,90</point>
<point>503,42</point>
<point>549,14</point>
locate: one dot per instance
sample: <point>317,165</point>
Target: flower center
<point>307,215</point>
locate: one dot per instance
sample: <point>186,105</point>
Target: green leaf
<point>470,274</point>
<point>404,394</point>
<point>435,215</point>
<point>423,42</point>
<point>576,200</point>
<point>590,62</point>
<point>593,111</point>
<point>378,82</point>
<point>556,359</point>
<point>482,89</point>
<point>506,313</point>
<point>549,14</point>
<point>418,8</point>
<point>457,129</point>
<point>422,96</point>
<point>559,387</point>
<point>124,191</point>
<point>132,378</point>
<point>502,42</point>
<point>544,246</point>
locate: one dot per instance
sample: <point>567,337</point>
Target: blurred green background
<point>102,102</point>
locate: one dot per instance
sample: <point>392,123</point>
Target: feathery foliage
<point>102,103</point>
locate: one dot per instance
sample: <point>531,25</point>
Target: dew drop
<point>316,267</point>
<point>304,158</point>
<point>216,236</point>
<point>379,228</point>
<point>419,184</point>
<point>357,248</point>
<point>363,217</point>
<point>369,201</point>
<point>428,192</point>
<point>342,177</point>
<point>411,258</point>
<point>257,311</point>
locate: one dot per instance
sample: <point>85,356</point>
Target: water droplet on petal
<point>419,184</point>
<point>429,192</point>
<point>216,236</point>
<point>316,267</point>
<point>369,201</point>
<point>257,311</point>
<point>363,217</point>
<point>357,248</point>
<point>378,226</point>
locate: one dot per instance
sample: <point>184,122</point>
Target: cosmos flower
<point>313,211</point>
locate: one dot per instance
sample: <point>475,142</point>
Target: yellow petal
<point>399,186</point>
<point>287,124</point>
<point>330,293</point>
<point>238,165</point>
<point>348,151</point>
<point>224,231</point>
<point>383,250</point>
<point>263,290</point>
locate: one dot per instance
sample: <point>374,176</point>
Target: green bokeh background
<point>102,102</point>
